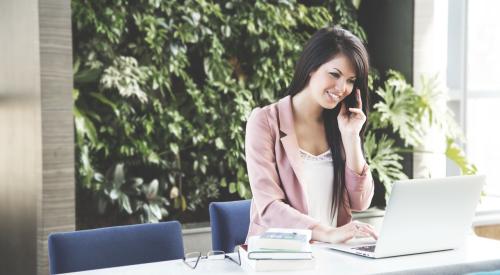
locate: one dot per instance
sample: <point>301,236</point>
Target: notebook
<point>274,264</point>
<point>281,243</point>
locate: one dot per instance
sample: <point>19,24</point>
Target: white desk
<point>477,254</point>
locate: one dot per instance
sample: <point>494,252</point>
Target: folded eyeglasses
<point>192,259</point>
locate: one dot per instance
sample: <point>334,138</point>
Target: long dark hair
<point>323,46</point>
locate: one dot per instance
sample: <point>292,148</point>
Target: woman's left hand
<point>351,120</point>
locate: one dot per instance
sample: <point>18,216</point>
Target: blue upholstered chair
<point>115,246</point>
<point>229,222</point>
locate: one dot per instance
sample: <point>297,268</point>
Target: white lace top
<point>318,180</point>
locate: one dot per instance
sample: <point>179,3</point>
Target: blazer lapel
<point>289,141</point>
<point>292,152</point>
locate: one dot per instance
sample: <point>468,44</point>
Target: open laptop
<point>422,215</point>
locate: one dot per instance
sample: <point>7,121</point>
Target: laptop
<point>423,215</point>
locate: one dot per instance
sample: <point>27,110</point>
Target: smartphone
<point>350,100</point>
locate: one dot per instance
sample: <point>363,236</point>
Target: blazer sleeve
<point>360,188</point>
<point>265,183</point>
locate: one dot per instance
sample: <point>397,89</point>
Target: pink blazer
<point>274,169</point>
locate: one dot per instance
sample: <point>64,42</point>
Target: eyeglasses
<point>191,259</point>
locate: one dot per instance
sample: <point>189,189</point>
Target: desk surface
<point>477,254</point>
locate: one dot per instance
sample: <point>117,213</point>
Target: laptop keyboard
<point>369,248</point>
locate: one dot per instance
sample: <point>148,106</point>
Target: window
<point>474,80</point>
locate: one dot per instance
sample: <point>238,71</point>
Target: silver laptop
<point>422,215</point>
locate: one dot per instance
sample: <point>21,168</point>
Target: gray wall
<point>197,239</point>
<point>389,28</point>
<point>36,131</point>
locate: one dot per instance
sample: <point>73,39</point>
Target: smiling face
<point>332,82</point>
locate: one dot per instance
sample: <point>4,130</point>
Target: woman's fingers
<point>368,232</point>
<point>358,112</point>
<point>364,230</point>
<point>352,230</point>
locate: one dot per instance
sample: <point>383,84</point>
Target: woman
<point>304,153</point>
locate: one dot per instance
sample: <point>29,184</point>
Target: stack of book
<point>278,249</point>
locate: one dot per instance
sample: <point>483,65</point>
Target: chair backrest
<point>115,246</point>
<point>229,222</point>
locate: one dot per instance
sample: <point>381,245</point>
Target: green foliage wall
<point>163,90</point>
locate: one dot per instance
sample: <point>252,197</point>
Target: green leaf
<point>219,144</point>
<point>114,194</point>
<point>154,158</point>
<point>99,177</point>
<point>183,203</point>
<point>174,148</point>
<point>356,3</point>
<point>223,182</point>
<point>156,211</point>
<point>152,190</point>
<point>384,159</point>
<point>125,203</point>
<point>84,127</point>
<point>107,102</point>
<point>137,182</point>
<point>76,94</point>
<point>242,190</point>
<point>232,187</point>
<point>118,175</point>
<point>400,108</point>
<point>457,155</point>
<point>90,75</point>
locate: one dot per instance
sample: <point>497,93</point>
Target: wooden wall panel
<point>58,196</point>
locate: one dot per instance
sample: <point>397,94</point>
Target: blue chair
<point>229,222</point>
<point>115,246</point>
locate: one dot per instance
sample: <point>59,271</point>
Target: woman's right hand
<point>344,233</point>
